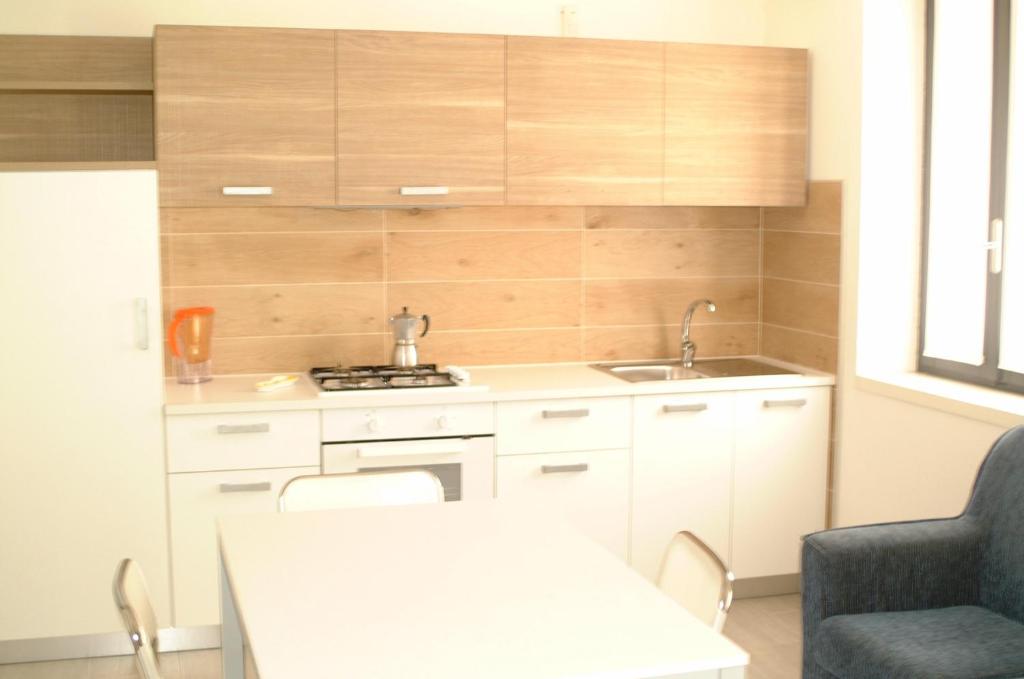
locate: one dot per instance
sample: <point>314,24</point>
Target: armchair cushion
<point>887,567</point>
<point>960,642</point>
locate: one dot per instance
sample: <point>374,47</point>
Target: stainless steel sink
<point>649,371</point>
<point>737,367</point>
<point>659,371</point>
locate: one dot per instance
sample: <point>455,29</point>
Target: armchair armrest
<point>888,567</point>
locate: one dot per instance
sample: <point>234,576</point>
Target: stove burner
<point>360,377</point>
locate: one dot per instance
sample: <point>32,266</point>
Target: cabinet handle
<point>248,190</point>
<point>258,428</point>
<point>578,412</point>
<point>684,408</point>
<point>563,468</point>
<point>424,191</point>
<point>141,324</point>
<point>783,403</point>
<point>244,487</point>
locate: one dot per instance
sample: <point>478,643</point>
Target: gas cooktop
<point>362,377</point>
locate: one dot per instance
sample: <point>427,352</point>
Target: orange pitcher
<point>189,336</point>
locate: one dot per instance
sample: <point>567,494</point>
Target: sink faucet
<point>689,348</point>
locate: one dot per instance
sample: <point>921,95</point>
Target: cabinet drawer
<point>562,425</point>
<point>591,489</point>
<point>196,501</point>
<point>198,443</point>
<point>378,424</point>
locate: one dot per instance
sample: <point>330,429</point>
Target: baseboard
<point>771,585</point>
<point>99,645</point>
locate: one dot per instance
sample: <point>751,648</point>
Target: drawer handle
<point>423,191</point>
<point>258,428</point>
<point>563,468</point>
<point>684,408</point>
<point>578,412</point>
<point>244,487</point>
<point>248,190</point>
<point>783,403</point>
<point>407,448</point>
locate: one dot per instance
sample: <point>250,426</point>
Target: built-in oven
<point>454,442</point>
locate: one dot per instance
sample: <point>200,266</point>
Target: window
<point>972,306</point>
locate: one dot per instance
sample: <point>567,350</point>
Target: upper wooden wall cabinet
<point>421,118</point>
<point>385,118</point>
<point>584,122</point>
<point>245,116</point>
<point>735,125</point>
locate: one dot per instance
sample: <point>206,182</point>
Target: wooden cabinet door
<point>590,489</point>
<point>682,474</point>
<point>251,108</point>
<point>735,125</point>
<point>420,110</point>
<point>780,478</point>
<point>584,122</point>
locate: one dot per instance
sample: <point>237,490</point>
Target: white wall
<point>722,21</point>
<point>895,459</point>
<point>898,460</point>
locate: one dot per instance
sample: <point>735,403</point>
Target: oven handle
<point>412,448</point>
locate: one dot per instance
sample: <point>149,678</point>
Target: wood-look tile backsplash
<point>297,287</point>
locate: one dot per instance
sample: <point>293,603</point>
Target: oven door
<point>465,466</point>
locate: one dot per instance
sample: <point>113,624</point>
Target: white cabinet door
<point>682,474</point>
<point>196,501</point>
<point>780,478</point>
<point>591,489</point>
<point>81,427</point>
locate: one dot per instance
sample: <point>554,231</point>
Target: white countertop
<point>453,590</point>
<point>237,393</point>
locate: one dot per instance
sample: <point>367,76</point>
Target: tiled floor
<point>769,628</point>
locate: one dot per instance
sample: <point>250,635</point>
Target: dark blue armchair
<point>939,598</point>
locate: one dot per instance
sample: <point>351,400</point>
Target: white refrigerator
<point>81,395</point>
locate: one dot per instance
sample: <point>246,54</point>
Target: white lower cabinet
<point>196,501</point>
<point>779,490</point>
<point>591,489</point>
<point>682,473</point>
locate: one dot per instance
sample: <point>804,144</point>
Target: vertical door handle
<point>141,324</point>
<point>995,246</point>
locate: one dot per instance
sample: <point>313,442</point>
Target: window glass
<point>958,209</point>
<point>1011,343</point>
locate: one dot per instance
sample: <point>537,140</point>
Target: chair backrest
<point>998,503</point>
<point>361,489</point>
<point>132,598</point>
<point>694,575</point>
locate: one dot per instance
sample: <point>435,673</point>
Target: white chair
<point>694,575</point>
<point>132,598</point>
<point>360,489</point>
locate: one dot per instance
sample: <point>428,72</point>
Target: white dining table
<point>488,589</point>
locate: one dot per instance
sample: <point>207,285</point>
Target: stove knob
<point>373,423</point>
<point>444,422</point>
